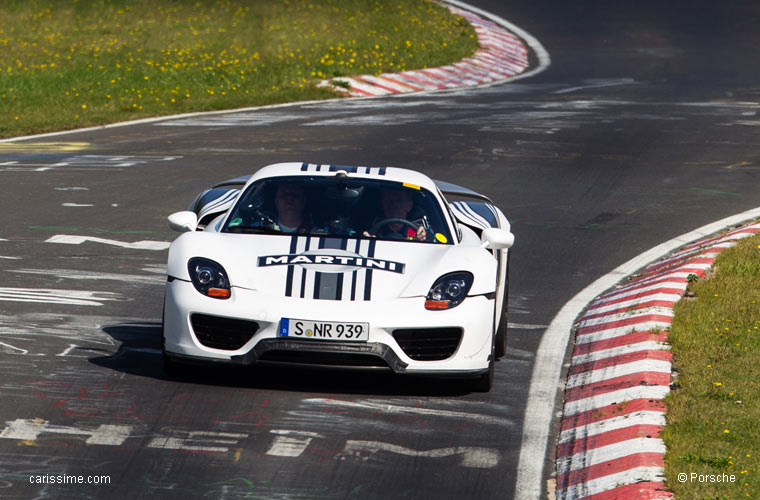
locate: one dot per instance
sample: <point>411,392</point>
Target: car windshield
<point>339,207</point>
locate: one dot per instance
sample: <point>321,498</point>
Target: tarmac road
<point>644,127</point>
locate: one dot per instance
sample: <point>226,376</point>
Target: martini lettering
<point>332,260</point>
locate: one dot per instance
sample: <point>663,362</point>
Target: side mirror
<point>183,221</point>
<point>495,238</point>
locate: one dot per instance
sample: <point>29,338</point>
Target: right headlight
<point>448,291</point>
<point>209,278</point>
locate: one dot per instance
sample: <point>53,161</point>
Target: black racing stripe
<point>289,279</point>
<point>484,210</point>
<point>304,167</point>
<point>317,283</point>
<point>368,281</point>
<point>303,272</point>
<point>355,273</point>
<point>459,208</point>
<point>382,171</point>
<point>224,198</point>
<point>353,285</point>
<point>339,281</point>
<point>317,274</point>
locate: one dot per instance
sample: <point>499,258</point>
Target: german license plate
<point>324,330</point>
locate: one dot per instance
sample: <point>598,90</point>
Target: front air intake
<point>428,344</point>
<point>222,333</point>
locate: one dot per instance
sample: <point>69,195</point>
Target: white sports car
<point>339,266</point>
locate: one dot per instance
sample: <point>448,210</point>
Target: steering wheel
<point>394,220</point>
<point>264,218</point>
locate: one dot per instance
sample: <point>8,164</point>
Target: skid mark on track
<point>480,458</point>
<point>40,328</point>
<point>157,276</point>
<point>393,407</point>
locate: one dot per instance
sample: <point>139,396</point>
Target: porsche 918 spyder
<point>340,266</point>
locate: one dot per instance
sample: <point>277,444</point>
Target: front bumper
<point>470,356</point>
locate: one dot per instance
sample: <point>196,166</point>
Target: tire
<point>172,369</point>
<point>501,330</point>
<point>485,381</point>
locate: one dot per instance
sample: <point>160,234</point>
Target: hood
<point>331,268</point>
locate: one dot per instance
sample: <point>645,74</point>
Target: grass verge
<point>713,411</point>
<point>87,62</point>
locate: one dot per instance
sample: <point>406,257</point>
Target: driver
<point>290,200</point>
<point>397,205</point>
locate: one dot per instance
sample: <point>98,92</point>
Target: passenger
<point>397,204</point>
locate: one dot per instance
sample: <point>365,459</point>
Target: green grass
<point>713,413</point>
<point>87,62</point>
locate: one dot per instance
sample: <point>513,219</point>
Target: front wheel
<point>501,330</point>
<point>172,369</point>
<point>484,382</point>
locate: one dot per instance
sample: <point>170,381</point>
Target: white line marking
<point>192,441</point>
<point>49,296</point>
<point>137,245</point>
<point>547,368</point>
<point>12,349</point>
<point>291,443</point>
<point>29,430</point>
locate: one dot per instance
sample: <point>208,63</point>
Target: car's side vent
<point>428,344</point>
<point>222,333</point>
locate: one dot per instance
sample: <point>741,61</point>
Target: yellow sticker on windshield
<point>441,238</point>
<point>413,186</point>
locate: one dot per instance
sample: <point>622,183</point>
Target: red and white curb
<point>501,55</point>
<point>609,444</point>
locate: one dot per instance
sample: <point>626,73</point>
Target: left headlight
<point>448,291</point>
<point>209,278</point>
